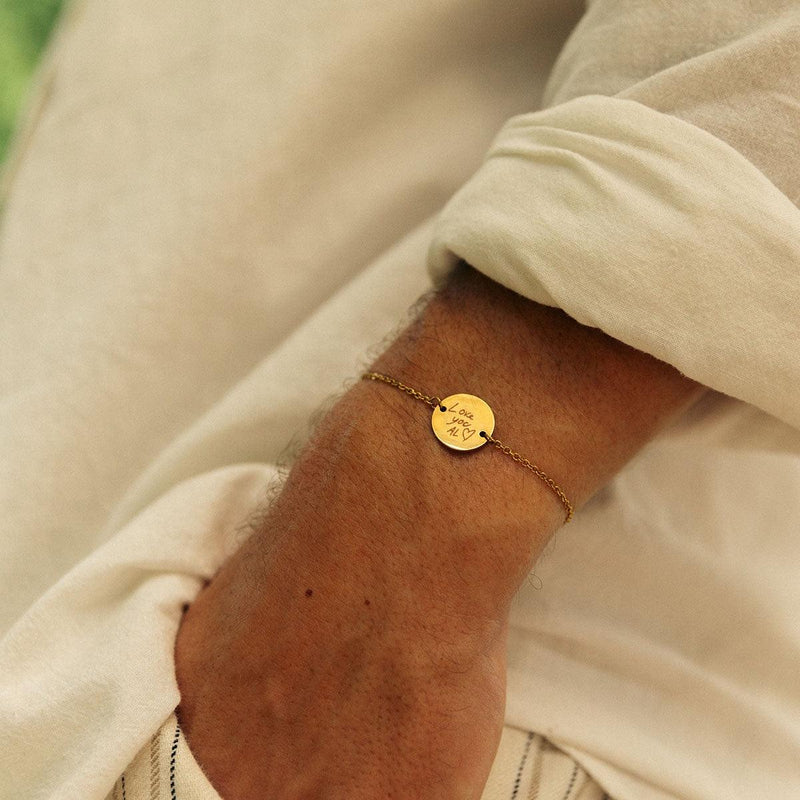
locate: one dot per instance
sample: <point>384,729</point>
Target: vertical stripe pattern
<point>173,757</point>
<point>536,769</point>
<point>155,765</point>
<point>518,779</point>
<point>528,766</point>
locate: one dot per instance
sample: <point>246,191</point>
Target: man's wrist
<point>377,479</point>
<point>569,398</point>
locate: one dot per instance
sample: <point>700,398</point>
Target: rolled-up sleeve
<point>654,196</point>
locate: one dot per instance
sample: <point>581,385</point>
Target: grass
<point>25,26</point>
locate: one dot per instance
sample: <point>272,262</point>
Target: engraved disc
<point>459,427</point>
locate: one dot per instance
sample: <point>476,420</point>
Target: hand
<point>335,656</point>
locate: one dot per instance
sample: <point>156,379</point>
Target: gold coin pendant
<point>460,425</point>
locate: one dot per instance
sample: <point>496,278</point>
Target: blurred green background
<point>24,28</point>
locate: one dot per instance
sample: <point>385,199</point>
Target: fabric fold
<point>648,227</point>
<point>99,645</point>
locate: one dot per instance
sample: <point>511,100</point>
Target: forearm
<point>576,402</point>
<point>367,615</point>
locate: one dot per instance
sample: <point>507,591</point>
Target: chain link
<point>433,402</point>
<point>537,471</point>
<point>520,459</point>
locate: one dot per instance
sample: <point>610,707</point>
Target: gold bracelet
<point>465,422</point>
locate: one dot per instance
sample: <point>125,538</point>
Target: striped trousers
<point>527,767</point>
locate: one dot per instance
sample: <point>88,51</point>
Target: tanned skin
<point>354,648</point>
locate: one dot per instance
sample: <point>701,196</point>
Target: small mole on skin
<point>366,602</point>
<point>309,592</point>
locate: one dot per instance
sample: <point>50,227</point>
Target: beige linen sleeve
<point>654,197</point>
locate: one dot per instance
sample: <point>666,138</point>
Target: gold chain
<point>435,401</point>
<point>537,471</point>
<point>431,401</point>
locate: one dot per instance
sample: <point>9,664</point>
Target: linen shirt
<point>210,217</point>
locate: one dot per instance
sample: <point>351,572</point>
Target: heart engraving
<point>466,433</point>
